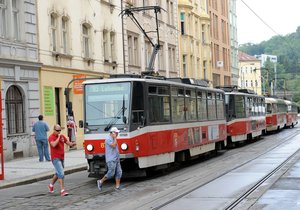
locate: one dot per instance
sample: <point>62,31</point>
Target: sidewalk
<point>28,170</point>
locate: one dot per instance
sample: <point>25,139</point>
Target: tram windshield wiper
<point>117,116</point>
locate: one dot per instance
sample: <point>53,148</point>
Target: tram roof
<point>274,100</point>
<point>243,94</point>
<point>149,80</point>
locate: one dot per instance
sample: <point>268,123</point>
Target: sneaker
<point>99,184</point>
<point>51,189</point>
<point>64,193</point>
<point>117,188</point>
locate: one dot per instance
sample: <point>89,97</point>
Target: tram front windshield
<point>107,103</point>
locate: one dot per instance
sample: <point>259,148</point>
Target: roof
<point>245,57</point>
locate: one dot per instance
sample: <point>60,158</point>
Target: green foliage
<point>287,49</point>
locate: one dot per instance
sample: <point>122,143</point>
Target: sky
<point>282,16</point>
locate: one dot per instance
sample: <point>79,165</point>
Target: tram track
<point>291,159</point>
<point>244,195</point>
<point>158,191</point>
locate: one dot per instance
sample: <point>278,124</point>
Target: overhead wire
<point>265,23</point>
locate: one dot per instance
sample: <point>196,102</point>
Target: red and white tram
<point>276,113</point>
<point>160,121</point>
<point>291,114</point>
<point>245,114</point>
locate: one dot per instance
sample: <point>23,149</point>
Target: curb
<point>40,177</point>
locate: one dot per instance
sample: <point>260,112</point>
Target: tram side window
<point>282,108</point>
<point>190,100</point>
<point>159,104</point>
<point>255,110</point>
<point>274,108</point>
<point>240,107</point>
<point>137,102</point>
<point>294,108</point>
<point>269,108</point>
<point>220,106</point>
<point>177,97</point>
<point>211,103</point>
<point>263,108</point>
<point>202,107</point>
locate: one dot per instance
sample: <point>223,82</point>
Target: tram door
<point>1,140</point>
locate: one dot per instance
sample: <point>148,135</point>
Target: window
<point>220,106</point>
<point>147,52</point>
<point>171,13</point>
<point>159,104</point>
<point>202,106</point>
<point>182,17</point>
<point>168,12</point>
<point>3,18</point>
<point>54,32</point>
<point>15,111</point>
<point>205,69</point>
<point>171,54</point>
<point>133,50</point>
<point>113,46</point>
<point>161,58</point>
<point>65,34</point>
<point>86,41</point>
<point>240,106</point>
<point>105,46</point>
<point>145,3</point>
<point>203,34</point>
<point>184,67</point>
<point>16,19</point>
<point>178,109</point>
<point>190,105</point>
<point>211,105</point>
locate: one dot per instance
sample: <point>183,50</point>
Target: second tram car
<point>160,122</point>
<point>276,113</point>
<point>245,114</point>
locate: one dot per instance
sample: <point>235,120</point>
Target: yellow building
<point>250,73</point>
<point>194,40</point>
<point>77,39</point>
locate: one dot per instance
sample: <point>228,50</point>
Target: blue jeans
<point>114,169</point>
<point>59,168</point>
<point>42,146</point>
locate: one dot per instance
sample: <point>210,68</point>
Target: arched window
<point>15,111</point>
<point>53,23</point>
<point>86,40</point>
<point>65,34</point>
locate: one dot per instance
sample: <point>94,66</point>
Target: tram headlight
<point>89,147</point>
<point>124,146</point>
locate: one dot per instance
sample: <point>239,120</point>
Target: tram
<point>245,114</point>
<point>291,114</point>
<point>276,114</point>
<point>160,121</point>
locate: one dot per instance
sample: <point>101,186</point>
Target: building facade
<point>138,49</point>
<point>19,76</point>
<point>220,42</point>
<point>250,73</point>
<point>77,40</point>
<point>233,42</point>
<point>194,40</point>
